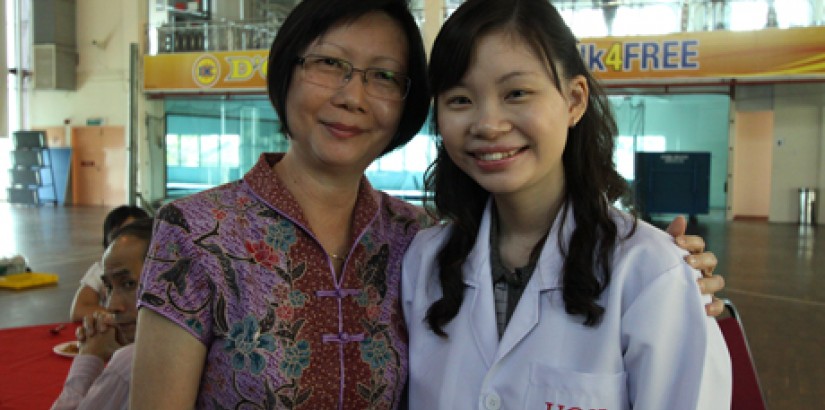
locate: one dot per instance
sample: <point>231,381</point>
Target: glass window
<point>626,148</point>
<point>647,20</point>
<point>748,15</point>
<point>189,151</point>
<point>585,22</point>
<point>401,172</point>
<point>652,143</point>
<point>793,13</point>
<point>624,156</point>
<point>230,150</point>
<point>667,123</point>
<point>210,152</point>
<point>214,140</point>
<point>172,150</point>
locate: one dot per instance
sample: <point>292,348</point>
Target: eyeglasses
<point>331,72</point>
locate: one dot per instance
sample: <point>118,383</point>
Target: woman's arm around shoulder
<point>701,260</point>
<point>167,365</point>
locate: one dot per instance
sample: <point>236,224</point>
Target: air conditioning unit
<point>54,67</point>
<point>55,44</point>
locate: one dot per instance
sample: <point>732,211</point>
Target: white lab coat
<point>653,349</point>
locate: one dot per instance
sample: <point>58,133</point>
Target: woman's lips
<point>343,131</point>
<point>491,160</point>
<point>496,155</point>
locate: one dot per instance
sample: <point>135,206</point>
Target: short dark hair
<point>116,217</point>
<point>311,19</point>
<point>140,228</point>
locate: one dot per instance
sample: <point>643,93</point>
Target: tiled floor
<point>775,275</point>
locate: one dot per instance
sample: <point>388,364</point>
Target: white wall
<point>4,92</point>
<point>5,142</point>
<point>797,147</point>
<point>102,69</point>
<point>105,29</point>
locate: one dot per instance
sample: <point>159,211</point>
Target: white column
<point>820,204</point>
<point>433,18</point>
<point>4,90</point>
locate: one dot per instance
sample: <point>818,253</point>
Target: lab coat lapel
<point>479,299</point>
<point>546,278</point>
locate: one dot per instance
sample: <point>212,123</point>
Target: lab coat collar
<point>547,275</point>
<point>481,301</point>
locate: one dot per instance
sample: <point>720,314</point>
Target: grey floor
<point>775,275</point>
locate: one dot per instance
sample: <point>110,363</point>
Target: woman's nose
<point>352,94</point>
<point>489,123</point>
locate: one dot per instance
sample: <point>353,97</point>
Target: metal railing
<point>194,36</point>
<point>197,36</point>
<point>693,15</point>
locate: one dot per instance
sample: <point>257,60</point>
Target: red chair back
<point>747,393</point>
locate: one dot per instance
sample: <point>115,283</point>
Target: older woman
<point>282,289</point>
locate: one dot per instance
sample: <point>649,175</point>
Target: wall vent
<point>55,44</point>
<point>54,67</point>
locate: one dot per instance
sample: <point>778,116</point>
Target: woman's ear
<point>578,93</point>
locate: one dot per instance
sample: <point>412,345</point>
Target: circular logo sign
<point>206,71</point>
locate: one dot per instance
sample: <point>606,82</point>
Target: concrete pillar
<point>4,91</point>
<point>433,18</point>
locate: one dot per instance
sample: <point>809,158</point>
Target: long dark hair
<point>591,179</point>
<point>310,19</point>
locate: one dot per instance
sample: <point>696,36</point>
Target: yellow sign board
<point>199,72</point>
<point>770,53</point>
<point>765,54</point>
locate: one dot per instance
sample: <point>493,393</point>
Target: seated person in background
<point>109,336</point>
<point>91,294</point>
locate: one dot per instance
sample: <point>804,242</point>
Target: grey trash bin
<point>807,206</point>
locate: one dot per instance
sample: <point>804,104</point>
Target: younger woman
<point>538,294</point>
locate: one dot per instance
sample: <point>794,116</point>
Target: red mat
<point>31,374</point>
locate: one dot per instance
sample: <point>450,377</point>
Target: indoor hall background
<point>775,275</point>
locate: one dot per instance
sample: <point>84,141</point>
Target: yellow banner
<point>770,53</point>
<point>204,72</point>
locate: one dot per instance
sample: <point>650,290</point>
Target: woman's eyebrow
<point>511,75</point>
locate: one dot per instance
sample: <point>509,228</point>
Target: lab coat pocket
<point>556,389</point>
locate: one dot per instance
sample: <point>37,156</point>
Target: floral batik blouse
<point>239,268</point>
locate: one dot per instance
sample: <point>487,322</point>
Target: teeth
<point>495,156</point>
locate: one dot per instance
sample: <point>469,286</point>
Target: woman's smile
<point>496,159</point>
<point>339,130</point>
